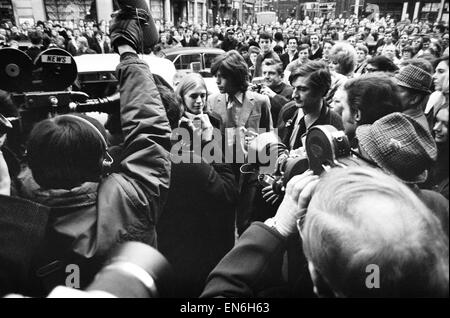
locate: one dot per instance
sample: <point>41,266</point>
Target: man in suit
<point>311,82</point>
<point>100,45</point>
<point>244,114</point>
<point>292,52</point>
<point>188,40</point>
<point>237,107</point>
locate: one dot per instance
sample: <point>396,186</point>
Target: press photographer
<point>273,86</point>
<point>311,82</point>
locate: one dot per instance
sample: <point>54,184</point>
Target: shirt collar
<point>239,96</point>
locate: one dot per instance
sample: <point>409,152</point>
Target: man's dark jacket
<point>285,59</point>
<point>282,97</point>
<point>288,118</point>
<point>87,221</point>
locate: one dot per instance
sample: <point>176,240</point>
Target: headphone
<point>108,161</point>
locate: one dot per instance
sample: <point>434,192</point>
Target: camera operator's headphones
<point>108,161</point>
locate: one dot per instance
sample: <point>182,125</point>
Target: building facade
<point>31,11</point>
<point>426,10</point>
<point>216,11</point>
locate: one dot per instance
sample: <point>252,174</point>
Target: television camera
<point>42,89</point>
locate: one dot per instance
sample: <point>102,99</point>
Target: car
<point>194,59</point>
<point>96,72</point>
<point>96,75</point>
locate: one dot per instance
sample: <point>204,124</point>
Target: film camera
<point>257,84</point>
<point>41,89</point>
<point>325,148</point>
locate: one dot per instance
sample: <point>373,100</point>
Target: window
<point>209,59</point>
<point>199,13</point>
<point>171,57</point>
<point>190,12</point>
<point>156,8</point>
<point>429,11</point>
<point>183,62</point>
<point>6,10</point>
<point>67,10</point>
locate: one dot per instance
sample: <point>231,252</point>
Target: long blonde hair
<point>187,83</point>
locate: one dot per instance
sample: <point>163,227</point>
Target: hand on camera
<point>201,127</point>
<point>267,91</point>
<point>299,191</point>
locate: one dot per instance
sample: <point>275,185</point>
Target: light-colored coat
<point>255,112</point>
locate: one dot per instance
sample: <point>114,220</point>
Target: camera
<point>257,84</point>
<point>41,89</point>
<point>256,88</point>
<point>325,148</point>
<point>133,270</point>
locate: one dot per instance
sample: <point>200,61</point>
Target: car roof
<point>97,62</point>
<point>194,49</point>
<point>91,63</point>
<point>107,62</point>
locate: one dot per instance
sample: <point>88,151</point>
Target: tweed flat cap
<point>414,77</point>
<point>399,145</point>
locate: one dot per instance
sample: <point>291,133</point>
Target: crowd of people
<point>399,40</point>
<point>85,38</point>
<point>179,175</point>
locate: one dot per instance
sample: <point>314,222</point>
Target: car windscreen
<point>183,62</point>
<point>209,59</point>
